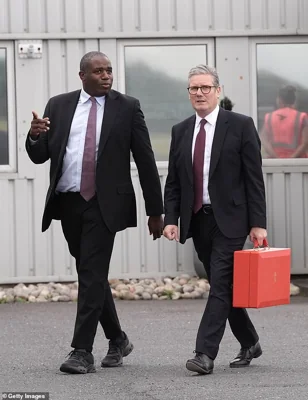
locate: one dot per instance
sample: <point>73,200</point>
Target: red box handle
<point>256,245</point>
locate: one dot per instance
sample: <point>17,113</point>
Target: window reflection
<point>157,76</point>
<point>283,99</point>
<point>4,151</point>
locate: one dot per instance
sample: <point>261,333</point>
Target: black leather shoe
<point>79,362</point>
<point>201,363</point>
<point>118,348</point>
<point>245,356</point>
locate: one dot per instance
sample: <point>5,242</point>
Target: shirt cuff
<point>32,141</point>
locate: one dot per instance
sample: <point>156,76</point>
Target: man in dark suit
<point>88,136</point>
<point>215,187</point>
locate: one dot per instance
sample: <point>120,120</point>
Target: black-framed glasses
<point>204,89</point>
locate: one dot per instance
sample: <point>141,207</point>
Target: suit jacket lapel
<point>66,121</point>
<point>110,111</point>
<point>187,142</point>
<point>219,137</point>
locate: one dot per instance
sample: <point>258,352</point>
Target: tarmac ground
<point>35,339</point>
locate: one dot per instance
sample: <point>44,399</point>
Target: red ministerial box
<point>261,277</point>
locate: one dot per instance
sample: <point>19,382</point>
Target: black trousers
<point>91,244</point>
<point>216,252</point>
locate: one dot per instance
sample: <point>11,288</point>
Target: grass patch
<point>168,293</point>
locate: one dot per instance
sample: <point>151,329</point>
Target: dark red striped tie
<point>198,165</point>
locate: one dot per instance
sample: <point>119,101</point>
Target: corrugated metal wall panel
<point>92,16</point>
<point>287,209</point>
<point>4,20</point>
<point>148,16</point>
<point>23,209</point>
<point>258,13</point>
<point>111,17</point>
<point>296,212</point>
<point>239,19</point>
<point>74,15</point>
<point>305,221</point>
<point>17,20</point>
<point>36,16</point>
<point>204,15</point>
<point>290,15</point>
<point>55,16</point>
<point>165,15</point>
<point>73,53</point>
<point>56,77</point>
<point>274,11</point>
<point>222,15</point>
<point>129,15</point>
<point>27,255</point>
<point>185,15</point>
<point>7,231</point>
<point>303,15</point>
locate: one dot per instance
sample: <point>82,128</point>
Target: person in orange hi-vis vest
<point>285,131</point>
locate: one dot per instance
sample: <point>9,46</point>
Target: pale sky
<point>289,61</point>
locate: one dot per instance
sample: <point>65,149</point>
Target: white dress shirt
<point>209,136</point>
<point>72,161</point>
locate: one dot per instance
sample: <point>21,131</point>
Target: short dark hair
<point>226,103</point>
<point>84,62</point>
<point>287,94</point>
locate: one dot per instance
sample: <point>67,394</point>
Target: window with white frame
<point>7,109</point>
<point>155,72</point>
<point>282,98</point>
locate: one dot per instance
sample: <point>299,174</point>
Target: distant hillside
<point>268,86</point>
<point>164,99</point>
